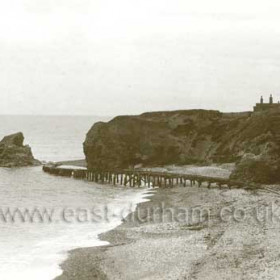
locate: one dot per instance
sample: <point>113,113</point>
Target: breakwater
<point>140,178</point>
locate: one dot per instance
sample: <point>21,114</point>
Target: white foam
<point>25,257</point>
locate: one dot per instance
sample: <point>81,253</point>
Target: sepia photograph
<point>139,140</point>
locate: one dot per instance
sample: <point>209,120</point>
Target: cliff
<point>183,137</point>
<point>14,154</point>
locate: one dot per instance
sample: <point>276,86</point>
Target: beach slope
<point>224,235</point>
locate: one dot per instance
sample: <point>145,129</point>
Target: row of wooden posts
<point>136,178</point>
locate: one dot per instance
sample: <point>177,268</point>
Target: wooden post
<point>159,181</point>
<point>125,179</point>
<point>139,180</point>
<point>155,180</point>
<point>133,180</point>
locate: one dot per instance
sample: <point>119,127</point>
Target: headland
<point>186,232</point>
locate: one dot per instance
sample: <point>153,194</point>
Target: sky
<point>108,57</point>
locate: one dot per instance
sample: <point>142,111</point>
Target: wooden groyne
<point>139,178</point>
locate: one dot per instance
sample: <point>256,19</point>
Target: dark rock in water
<point>14,154</point>
<point>13,139</point>
<point>183,137</point>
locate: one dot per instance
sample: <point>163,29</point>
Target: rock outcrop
<point>183,137</point>
<point>258,169</point>
<point>14,154</point>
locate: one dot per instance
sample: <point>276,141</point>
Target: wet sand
<point>78,163</point>
<point>155,242</point>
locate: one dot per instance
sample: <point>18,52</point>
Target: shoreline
<point>203,249</point>
<point>146,195</point>
<point>79,263</point>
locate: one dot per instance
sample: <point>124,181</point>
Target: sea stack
<point>14,154</point>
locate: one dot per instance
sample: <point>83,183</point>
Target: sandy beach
<point>188,233</point>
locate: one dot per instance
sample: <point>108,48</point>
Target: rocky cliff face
<point>182,137</point>
<point>14,154</point>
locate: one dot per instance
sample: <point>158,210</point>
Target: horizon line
<point>54,115</point>
<point>120,114</point>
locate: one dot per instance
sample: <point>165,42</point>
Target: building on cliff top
<point>266,106</point>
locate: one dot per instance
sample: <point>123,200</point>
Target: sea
<point>42,216</point>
